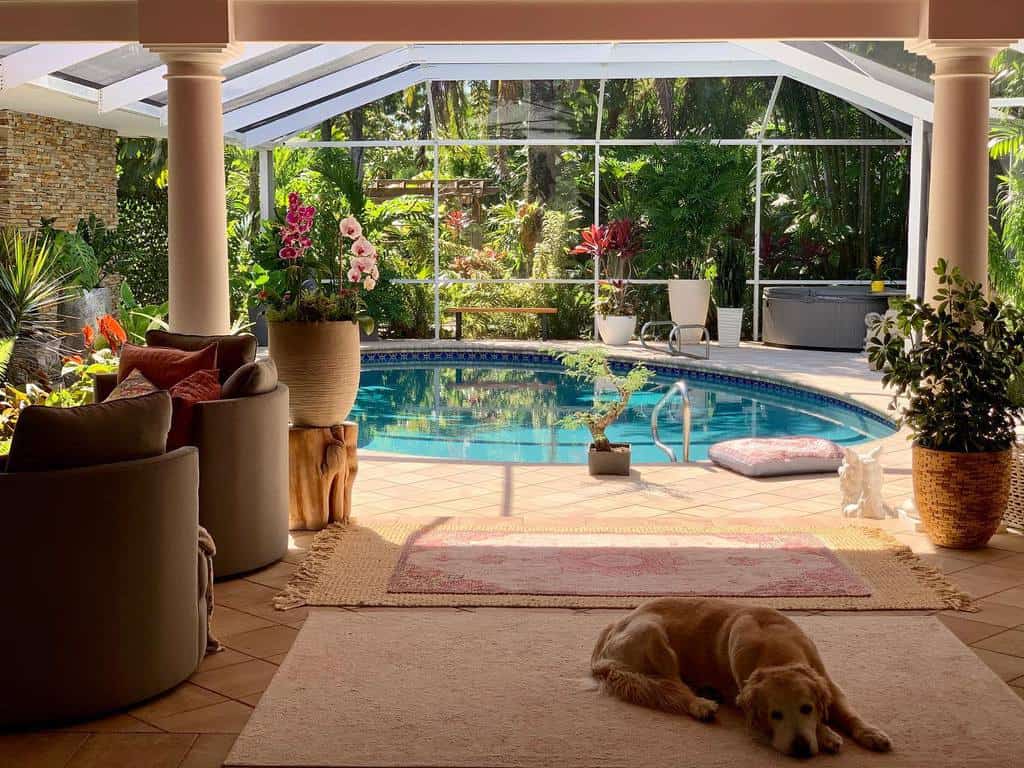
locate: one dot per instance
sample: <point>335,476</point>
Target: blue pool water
<point>509,411</point>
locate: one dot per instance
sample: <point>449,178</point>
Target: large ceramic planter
<point>730,326</point>
<point>616,330</point>
<point>613,462</point>
<point>961,497</point>
<point>688,302</point>
<point>320,364</point>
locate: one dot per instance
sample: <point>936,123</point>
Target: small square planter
<point>613,462</point>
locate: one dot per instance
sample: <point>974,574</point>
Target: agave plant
<point>31,288</point>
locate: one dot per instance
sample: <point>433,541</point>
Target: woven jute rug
<point>800,565</point>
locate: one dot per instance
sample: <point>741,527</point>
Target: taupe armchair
<point>243,470</point>
<point>103,589</point>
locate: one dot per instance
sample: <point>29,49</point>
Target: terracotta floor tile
<point>209,751</point>
<point>181,699</point>
<point>225,658</point>
<point>1007,667</point>
<point>263,642</point>
<point>1010,642</point>
<point>228,621</point>
<point>39,750</point>
<point>967,630</point>
<point>119,723</point>
<point>270,613</point>
<point>240,592</point>
<point>277,659</point>
<point>274,576</point>
<point>117,750</point>
<point>982,584</point>
<point>226,717</point>
<point>237,680</point>
<point>993,612</point>
<point>1013,597</point>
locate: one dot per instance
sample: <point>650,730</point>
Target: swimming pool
<point>506,407</point>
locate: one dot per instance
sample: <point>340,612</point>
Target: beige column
<point>958,207</point>
<point>197,207</point>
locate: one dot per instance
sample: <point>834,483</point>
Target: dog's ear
<point>747,701</point>
<point>820,686</point>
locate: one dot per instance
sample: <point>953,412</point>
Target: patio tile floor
<point>194,725</point>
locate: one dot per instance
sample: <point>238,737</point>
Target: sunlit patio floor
<point>194,725</point>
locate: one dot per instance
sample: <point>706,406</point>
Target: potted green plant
<point>591,365</point>
<point>954,383</point>
<point>729,271</point>
<point>614,247</point>
<point>878,274</point>
<point>314,315</point>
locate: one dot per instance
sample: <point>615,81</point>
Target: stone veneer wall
<point>54,168</point>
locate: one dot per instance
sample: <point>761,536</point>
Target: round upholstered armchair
<point>103,599</point>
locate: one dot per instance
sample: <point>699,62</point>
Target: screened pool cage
<point>889,134</point>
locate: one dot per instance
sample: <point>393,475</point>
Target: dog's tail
<point>654,692</point>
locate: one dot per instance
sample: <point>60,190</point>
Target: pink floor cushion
<point>770,456</point>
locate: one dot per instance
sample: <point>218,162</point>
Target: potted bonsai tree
<point>954,380</point>
<point>314,315</point>
<point>591,365</point>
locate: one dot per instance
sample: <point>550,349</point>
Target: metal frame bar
<point>44,59</point>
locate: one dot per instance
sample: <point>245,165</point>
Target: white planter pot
<point>688,302</point>
<point>616,330</point>
<point>730,325</point>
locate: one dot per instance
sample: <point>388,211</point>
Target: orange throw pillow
<point>164,366</point>
<point>200,387</point>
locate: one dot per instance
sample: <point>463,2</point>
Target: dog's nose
<point>800,747</point>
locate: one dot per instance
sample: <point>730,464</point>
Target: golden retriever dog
<point>665,650</point>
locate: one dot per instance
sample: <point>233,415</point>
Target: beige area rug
<point>508,688</point>
<point>849,567</point>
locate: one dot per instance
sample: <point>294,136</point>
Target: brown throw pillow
<point>134,385</point>
<point>163,366</point>
<point>104,433</point>
<point>200,387</point>
<point>232,351</point>
<point>256,378</point>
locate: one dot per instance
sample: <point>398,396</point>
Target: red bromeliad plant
<point>615,246</point>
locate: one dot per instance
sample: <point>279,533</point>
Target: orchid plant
<point>614,246</point>
<point>316,290</point>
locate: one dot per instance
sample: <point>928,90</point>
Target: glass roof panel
<point>516,109</point>
<point>7,50</point>
<point>803,112</point>
<point>107,68</point>
<point>891,54</point>
<point>270,57</point>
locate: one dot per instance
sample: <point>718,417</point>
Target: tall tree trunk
<point>864,201</point>
<point>356,119</point>
<point>541,166</point>
<point>327,130</point>
<point>665,90</point>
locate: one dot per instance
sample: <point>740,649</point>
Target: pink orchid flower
<point>362,247</point>
<point>351,228</point>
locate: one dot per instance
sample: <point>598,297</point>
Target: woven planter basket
<point>320,364</point>
<point>961,496</point>
<point>1014,515</point>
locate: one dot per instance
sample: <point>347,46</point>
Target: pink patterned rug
<point>708,564</point>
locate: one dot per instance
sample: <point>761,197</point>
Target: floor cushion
<point>48,438</point>
<point>165,366</point>
<point>769,456</point>
<point>199,387</point>
<point>233,351</point>
<point>255,378</point>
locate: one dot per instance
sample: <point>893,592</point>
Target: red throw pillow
<point>164,366</point>
<point>197,388</point>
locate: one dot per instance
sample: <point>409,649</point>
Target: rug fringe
<point>311,569</point>
<point>954,597</point>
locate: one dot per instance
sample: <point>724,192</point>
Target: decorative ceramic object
<point>730,326</point>
<point>616,330</point>
<point>860,480</point>
<point>320,364</point>
<point>688,302</point>
<point>878,286</point>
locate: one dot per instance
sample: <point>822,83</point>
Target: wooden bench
<point>544,313</point>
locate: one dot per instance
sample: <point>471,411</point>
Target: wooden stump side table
<point>322,466</point>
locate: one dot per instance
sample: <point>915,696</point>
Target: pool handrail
<point>684,393</point>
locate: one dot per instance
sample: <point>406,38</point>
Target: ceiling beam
<point>151,82</point>
<point>40,60</point>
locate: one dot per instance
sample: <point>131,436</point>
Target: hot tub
<point>819,317</point>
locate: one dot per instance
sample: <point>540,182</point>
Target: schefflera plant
<point>590,365</point>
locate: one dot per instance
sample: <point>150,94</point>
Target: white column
<point>197,210</point>
<point>268,186</point>
<point>958,189</point>
<point>917,212</point>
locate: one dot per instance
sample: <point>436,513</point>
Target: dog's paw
<point>829,740</point>
<point>873,738</point>
<point>703,709</point>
